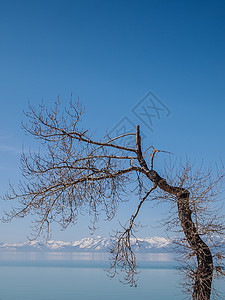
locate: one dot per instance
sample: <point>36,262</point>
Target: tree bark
<point>204,272</point>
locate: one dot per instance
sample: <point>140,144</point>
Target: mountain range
<point>95,244</point>
<point>90,244</point>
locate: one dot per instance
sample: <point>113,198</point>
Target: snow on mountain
<point>97,244</point>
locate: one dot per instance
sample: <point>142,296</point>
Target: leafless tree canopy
<point>75,172</point>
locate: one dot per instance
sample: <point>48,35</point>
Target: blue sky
<point>110,54</point>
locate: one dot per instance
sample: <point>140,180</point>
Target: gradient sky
<point>110,54</point>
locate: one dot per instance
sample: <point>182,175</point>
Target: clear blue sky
<point>110,54</point>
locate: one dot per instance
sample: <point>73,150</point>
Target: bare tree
<point>75,172</point>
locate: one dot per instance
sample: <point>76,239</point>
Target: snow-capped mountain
<point>97,244</point>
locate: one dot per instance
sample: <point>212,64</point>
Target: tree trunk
<point>204,272</point>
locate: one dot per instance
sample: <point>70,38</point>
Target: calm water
<point>56,276</point>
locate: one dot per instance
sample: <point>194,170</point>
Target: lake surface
<point>73,276</point>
